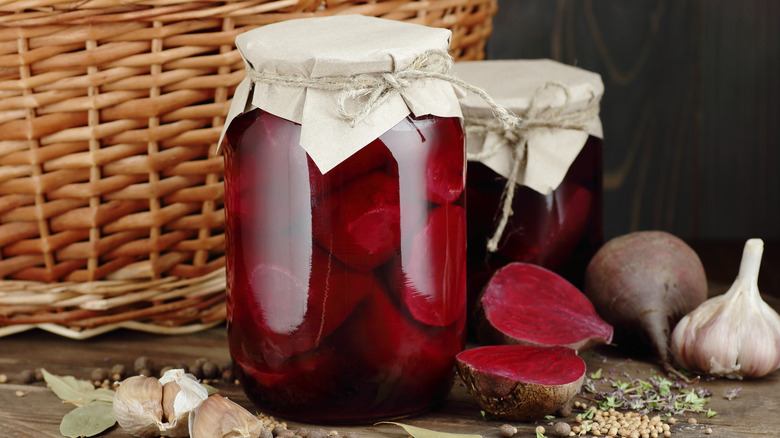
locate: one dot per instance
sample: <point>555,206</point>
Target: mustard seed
<point>671,420</point>
<point>507,430</point>
<point>692,421</point>
<point>562,429</point>
<point>3,378</point>
<point>540,429</point>
<point>708,431</point>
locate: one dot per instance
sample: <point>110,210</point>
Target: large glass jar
<point>346,291</point>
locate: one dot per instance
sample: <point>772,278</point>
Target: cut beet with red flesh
<point>521,382</point>
<point>293,311</point>
<point>528,304</point>
<point>433,281</point>
<point>360,222</point>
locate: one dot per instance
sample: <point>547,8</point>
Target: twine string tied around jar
<point>359,95</point>
<point>536,117</point>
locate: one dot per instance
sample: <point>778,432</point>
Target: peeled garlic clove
<point>182,393</point>
<point>218,417</point>
<point>733,335</point>
<point>138,406</point>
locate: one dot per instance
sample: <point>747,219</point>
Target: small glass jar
<point>556,213</point>
<point>346,288</point>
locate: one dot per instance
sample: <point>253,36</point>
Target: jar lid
<point>339,78</point>
<point>560,108</point>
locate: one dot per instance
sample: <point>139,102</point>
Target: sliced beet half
<point>521,382</point>
<point>527,304</point>
<point>360,223</point>
<point>293,311</point>
<point>432,280</point>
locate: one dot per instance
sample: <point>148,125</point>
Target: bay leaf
<point>86,421</point>
<point>419,432</point>
<point>78,392</point>
<point>210,389</point>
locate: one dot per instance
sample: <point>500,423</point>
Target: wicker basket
<point>111,196</point>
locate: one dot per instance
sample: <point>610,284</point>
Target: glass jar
<point>346,290</point>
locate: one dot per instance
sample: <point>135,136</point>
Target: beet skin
<point>643,283</point>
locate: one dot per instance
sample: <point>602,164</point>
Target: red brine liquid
<point>560,231</point>
<point>346,291</point>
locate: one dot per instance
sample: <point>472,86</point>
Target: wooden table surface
<point>32,410</point>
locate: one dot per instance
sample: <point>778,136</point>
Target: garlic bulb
<point>147,407</point>
<point>218,417</point>
<point>187,395</point>
<point>733,335</point>
<point>138,406</point>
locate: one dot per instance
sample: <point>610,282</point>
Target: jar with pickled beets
<point>346,224</point>
<point>553,218</point>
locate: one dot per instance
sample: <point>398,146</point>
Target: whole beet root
<point>643,283</point>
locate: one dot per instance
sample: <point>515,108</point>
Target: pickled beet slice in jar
<point>398,352</point>
<point>298,383</point>
<point>360,223</point>
<point>431,151</point>
<point>293,311</point>
<point>432,278</point>
<point>374,156</point>
<point>445,166</point>
<point>548,238</point>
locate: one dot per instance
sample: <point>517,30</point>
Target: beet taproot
<point>360,223</point>
<point>528,304</point>
<point>643,283</point>
<point>432,280</point>
<point>521,382</point>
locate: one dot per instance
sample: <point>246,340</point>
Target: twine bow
<point>516,137</point>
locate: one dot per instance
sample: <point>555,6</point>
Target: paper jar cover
<point>339,46</point>
<point>558,102</point>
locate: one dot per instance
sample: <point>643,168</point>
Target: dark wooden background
<point>691,110</point>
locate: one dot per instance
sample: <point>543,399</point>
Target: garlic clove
<point>218,417</point>
<point>182,393</point>
<point>734,335</point>
<point>138,406</point>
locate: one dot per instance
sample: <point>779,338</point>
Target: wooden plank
<point>37,413</point>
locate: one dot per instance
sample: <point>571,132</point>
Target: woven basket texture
<point>111,195</point>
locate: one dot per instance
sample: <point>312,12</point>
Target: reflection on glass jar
<point>346,291</point>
